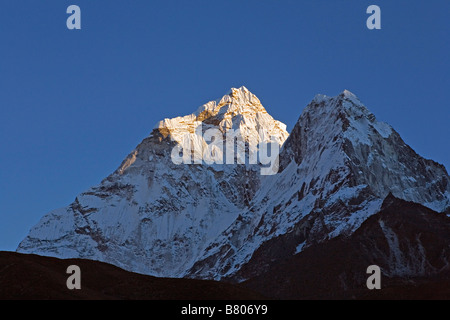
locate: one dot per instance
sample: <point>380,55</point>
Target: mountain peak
<point>347,94</point>
<point>239,109</point>
<point>240,90</point>
<point>344,96</point>
<point>343,113</point>
<point>239,99</point>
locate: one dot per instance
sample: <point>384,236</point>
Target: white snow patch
<point>345,193</point>
<point>354,221</point>
<point>383,129</point>
<point>299,248</point>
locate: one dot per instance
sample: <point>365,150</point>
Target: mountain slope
<point>154,216</point>
<point>407,241</point>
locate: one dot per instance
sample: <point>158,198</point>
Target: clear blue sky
<point>75,103</point>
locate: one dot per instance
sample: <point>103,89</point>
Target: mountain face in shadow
<point>409,242</point>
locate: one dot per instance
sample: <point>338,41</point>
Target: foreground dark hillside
<point>27,276</point>
<point>409,242</point>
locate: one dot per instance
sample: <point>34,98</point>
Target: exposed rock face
<point>228,221</point>
<point>409,243</point>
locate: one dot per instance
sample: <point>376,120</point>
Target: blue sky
<point>74,103</point>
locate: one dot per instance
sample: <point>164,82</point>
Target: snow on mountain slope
<point>154,216</point>
<point>337,166</point>
<point>227,220</point>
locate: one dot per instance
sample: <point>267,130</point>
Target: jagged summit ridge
<point>238,110</point>
<point>355,118</point>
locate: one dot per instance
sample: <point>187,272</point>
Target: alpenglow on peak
<point>238,110</point>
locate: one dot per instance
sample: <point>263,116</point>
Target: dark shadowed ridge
<point>409,242</point>
<point>29,276</point>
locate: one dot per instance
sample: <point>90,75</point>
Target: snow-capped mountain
<point>220,221</point>
<point>337,166</point>
<point>154,216</point>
